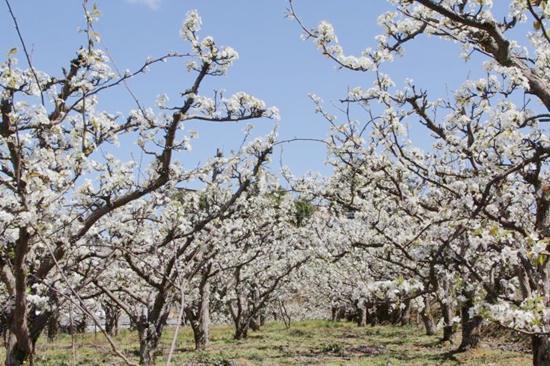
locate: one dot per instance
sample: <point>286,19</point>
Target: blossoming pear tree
<point>61,180</point>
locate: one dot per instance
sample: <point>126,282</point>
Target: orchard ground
<point>307,342</point>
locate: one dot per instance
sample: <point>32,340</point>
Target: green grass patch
<point>305,343</point>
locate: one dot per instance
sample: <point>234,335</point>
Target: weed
<point>255,357</point>
<point>332,348</point>
<point>299,333</point>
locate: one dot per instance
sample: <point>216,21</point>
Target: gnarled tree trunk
<point>471,325</point>
<point>150,330</point>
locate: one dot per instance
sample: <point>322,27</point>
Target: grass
<point>305,343</point>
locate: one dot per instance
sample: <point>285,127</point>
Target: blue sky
<point>275,64</point>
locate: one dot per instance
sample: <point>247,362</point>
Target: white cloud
<point>153,4</point>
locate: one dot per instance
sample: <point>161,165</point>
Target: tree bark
<point>112,316</point>
<point>361,316</point>
<point>427,318</point>
<point>541,350</point>
<point>53,327</point>
<point>201,323</point>
<point>333,313</point>
<point>471,327</point>
<point>255,319</point>
<point>406,313</point>
<point>241,329</point>
<point>371,315</point>
<point>20,347</point>
<point>150,330</point>
<point>447,311</point>
<point>15,354</point>
<point>541,344</point>
<point>148,342</point>
<point>284,314</point>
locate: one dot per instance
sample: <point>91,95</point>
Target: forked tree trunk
<point>241,328</point>
<point>284,314</point>
<point>148,343</point>
<point>150,332</point>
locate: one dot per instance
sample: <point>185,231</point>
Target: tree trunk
<point>81,324</point>
<point>241,330</point>
<point>427,318</point>
<point>448,329</point>
<point>15,354</point>
<point>255,319</point>
<point>371,315</point>
<point>541,344</point>
<point>147,348</point>
<point>448,333</point>
<point>406,313</point>
<point>4,325</point>
<point>284,314</point>
<point>112,316</point>
<point>541,350</point>
<point>447,311</point>
<point>471,327</point>
<point>201,328</point>
<point>148,343</point>
<point>150,331</point>
<point>334,313</point>
<point>471,333</point>
<point>20,350</point>
<point>53,327</point>
<point>201,336</point>
<point>361,316</point>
